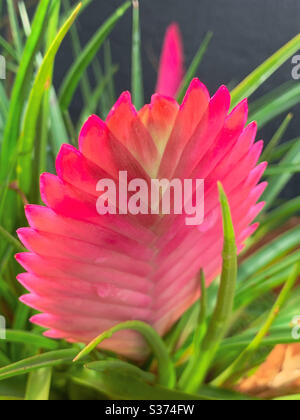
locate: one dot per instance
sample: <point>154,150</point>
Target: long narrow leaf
<point>8,48</point>
<point>265,255</point>
<point>123,385</point>
<point>282,169</point>
<point>275,103</point>
<point>84,83</point>
<point>277,218</point>
<point>16,34</point>
<point>265,157</point>
<point>50,359</point>
<point>281,150</point>
<point>239,365</point>
<point>41,84</point>
<point>20,89</point>
<point>194,66</point>
<point>248,86</point>
<point>137,87</point>
<point>109,66</point>
<point>278,182</point>
<point>46,105</point>
<point>24,337</point>
<point>11,239</point>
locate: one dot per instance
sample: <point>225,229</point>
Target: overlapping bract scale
<point>86,272</point>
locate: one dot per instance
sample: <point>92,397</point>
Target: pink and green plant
<point>141,307</point>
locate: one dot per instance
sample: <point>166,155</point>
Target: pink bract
<point>171,68</point>
<point>87,273</point>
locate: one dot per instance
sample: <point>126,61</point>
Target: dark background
<point>246,32</point>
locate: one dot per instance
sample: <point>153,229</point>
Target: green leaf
<point>265,281</point>
<point>8,48</point>
<point>249,85</point>
<point>21,316</point>
<point>282,169</point>
<point>199,334</point>
<point>277,218</point>
<point>278,182</point>
<point>50,359</point>
<point>166,370</point>
<point>278,335</point>
<point>24,18</point>
<point>194,66</point>
<point>84,83</point>
<point>47,107</point>
<point>123,385</point>
<point>57,125</point>
<point>15,30</point>
<point>4,360</point>
<point>137,86</point>
<point>288,398</point>
<point>126,368</point>
<point>95,97</point>
<point>238,367</point>
<point>275,103</point>
<point>282,149</point>
<point>11,240</point>
<point>20,89</point>
<point>38,385</point>
<point>104,101</point>
<point>24,337</point>
<point>267,153</point>
<point>4,103</point>
<point>109,72</point>
<point>182,329</point>
<point>74,75</point>
<point>267,254</point>
<point>41,84</point>
<point>219,322</point>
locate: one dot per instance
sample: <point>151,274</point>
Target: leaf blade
<point>41,84</point>
<point>73,77</point>
<point>252,82</point>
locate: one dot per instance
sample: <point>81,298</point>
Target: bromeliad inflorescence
<point>86,272</point>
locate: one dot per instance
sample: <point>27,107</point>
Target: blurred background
<point>245,34</point>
